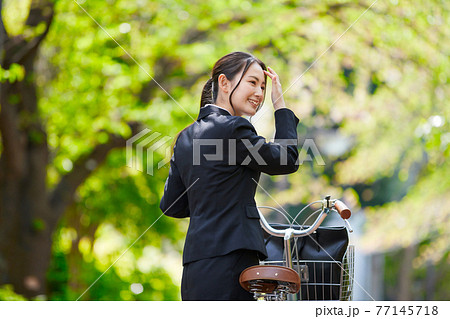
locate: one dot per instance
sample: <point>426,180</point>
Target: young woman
<point>213,176</point>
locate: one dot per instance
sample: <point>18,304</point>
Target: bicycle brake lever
<point>350,229</point>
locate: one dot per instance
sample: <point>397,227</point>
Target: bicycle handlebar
<point>291,231</point>
<point>327,204</point>
<point>342,209</point>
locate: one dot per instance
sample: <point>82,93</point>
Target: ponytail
<point>207,93</point>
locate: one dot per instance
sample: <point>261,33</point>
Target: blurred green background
<point>77,82</point>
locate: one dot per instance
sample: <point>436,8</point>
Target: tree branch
<point>62,195</point>
<point>17,48</point>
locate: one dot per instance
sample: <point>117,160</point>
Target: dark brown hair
<point>230,65</point>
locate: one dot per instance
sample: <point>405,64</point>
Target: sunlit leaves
<point>14,14</point>
<point>374,99</point>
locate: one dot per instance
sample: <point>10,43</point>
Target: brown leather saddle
<point>269,279</point>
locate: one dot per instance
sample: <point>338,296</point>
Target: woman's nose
<point>259,92</point>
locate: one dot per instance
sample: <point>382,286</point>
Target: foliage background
<point>376,104</point>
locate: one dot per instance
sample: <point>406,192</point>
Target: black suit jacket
<point>217,193</point>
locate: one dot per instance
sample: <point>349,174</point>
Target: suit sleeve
<point>274,158</point>
<point>174,202</point>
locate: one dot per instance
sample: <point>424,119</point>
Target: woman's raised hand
<point>277,91</point>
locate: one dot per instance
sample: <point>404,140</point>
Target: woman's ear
<point>224,83</point>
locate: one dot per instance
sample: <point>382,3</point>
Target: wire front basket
<point>323,280</point>
<point>324,259</point>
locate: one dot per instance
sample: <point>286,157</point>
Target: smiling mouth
<point>254,103</point>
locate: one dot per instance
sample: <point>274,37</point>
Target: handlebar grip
<point>342,209</point>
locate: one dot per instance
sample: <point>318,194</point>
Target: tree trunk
<point>25,240</point>
<point>24,208</point>
<point>405,274</point>
<point>430,281</point>
<point>29,212</point>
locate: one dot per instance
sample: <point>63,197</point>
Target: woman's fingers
<point>272,74</point>
<point>277,92</point>
<point>268,74</point>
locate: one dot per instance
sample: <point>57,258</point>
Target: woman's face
<point>250,92</point>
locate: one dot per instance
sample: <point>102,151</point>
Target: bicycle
<point>287,275</point>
